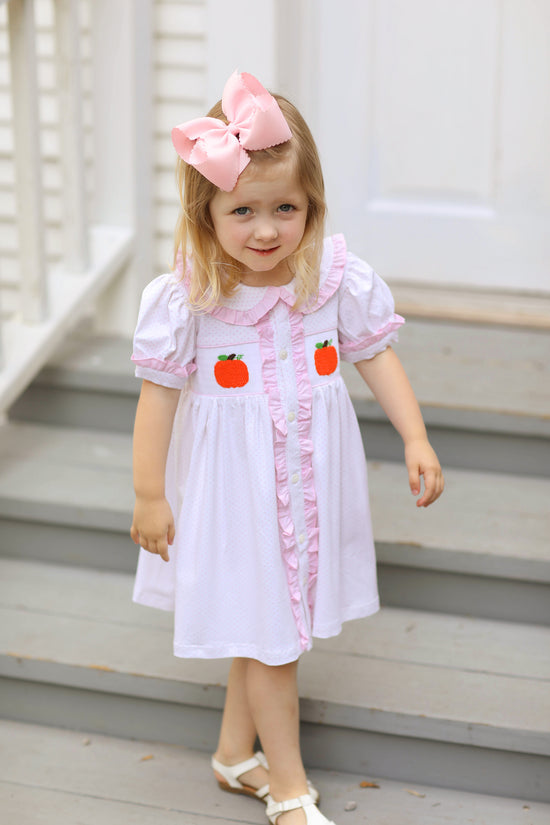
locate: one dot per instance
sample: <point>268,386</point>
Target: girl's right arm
<point>153,522</point>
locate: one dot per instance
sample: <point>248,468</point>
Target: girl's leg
<point>238,731</point>
<point>273,702</point>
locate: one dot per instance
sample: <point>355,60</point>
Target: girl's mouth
<point>263,252</point>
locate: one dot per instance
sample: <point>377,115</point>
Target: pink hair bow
<point>218,151</point>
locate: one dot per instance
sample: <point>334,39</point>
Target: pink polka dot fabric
<point>266,473</point>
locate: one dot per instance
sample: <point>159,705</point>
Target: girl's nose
<point>265,230</point>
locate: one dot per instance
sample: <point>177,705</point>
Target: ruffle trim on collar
<point>332,270</point>
<point>249,317</point>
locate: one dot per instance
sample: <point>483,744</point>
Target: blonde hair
<point>212,273</point>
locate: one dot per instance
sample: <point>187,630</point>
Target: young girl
<point>248,461</point>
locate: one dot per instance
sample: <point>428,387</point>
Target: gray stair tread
<point>406,635</point>
<point>463,372</point>
<point>477,375</point>
<point>485,523</point>
<point>60,470</point>
<point>56,777</point>
<point>482,519</point>
<point>403,672</point>
<point>93,363</point>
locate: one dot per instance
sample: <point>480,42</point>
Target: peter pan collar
<point>248,304</point>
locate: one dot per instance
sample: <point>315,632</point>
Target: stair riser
<point>484,597</point>
<point>400,586</point>
<point>457,447</point>
<point>465,449</point>
<point>60,544</point>
<point>408,759</point>
<point>96,410</point>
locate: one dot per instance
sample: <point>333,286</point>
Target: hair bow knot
<point>218,150</point>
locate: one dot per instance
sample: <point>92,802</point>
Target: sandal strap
<point>275,809</point>
<point>262,792</point>
<point>260,756</point>
<point>231,773</point>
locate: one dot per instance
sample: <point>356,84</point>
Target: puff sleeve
<point>164,340</point>
<point>367,321</point>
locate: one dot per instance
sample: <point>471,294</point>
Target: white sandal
<point>231,773</point>
<point>307,802</point>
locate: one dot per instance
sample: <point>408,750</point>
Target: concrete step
<point>58,777</point>
<point>482,549</point>
<point>484,391</point>
<point>416,697</point>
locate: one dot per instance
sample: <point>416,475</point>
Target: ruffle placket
<point>260,316</point>
<point>305,398</point>
<point>284,514</point>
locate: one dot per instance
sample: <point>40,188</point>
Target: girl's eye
<point>286,207</point>
<point>241,210</point>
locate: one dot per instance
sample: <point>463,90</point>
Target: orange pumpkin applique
<point>326,358</point>
<point>230,371</point>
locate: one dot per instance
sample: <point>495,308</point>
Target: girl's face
<point>262,221</point>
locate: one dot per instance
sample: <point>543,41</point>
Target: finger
<point>440,485</point>
<point>429,489</point>
<point>161,549</point>
<point>171,533</point>
<point>134,534</point>
<point>414,481</point>
<point>434,488</point>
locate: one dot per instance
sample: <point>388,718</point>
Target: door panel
<point>433,121</point>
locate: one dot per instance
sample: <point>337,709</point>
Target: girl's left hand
<point>421,460</point>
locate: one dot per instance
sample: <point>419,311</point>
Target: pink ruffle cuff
<point>367,347</point>
<point>165,366</point>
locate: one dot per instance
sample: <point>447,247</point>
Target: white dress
<point>266,474</point>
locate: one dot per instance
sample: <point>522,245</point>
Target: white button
<point>295,478</point>
<point>283,354</point>
<point>301,538</point>
<point>291,416</point>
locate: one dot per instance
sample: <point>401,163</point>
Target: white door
<point>433,120</point>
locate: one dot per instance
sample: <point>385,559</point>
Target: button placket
<point>287,373</point>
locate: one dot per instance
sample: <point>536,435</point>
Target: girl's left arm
<point>386,378</point>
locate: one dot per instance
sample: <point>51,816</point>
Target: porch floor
<point>50,776</point>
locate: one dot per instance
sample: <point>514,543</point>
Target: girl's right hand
<point>153,526</point>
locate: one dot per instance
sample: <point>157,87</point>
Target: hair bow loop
<point>218,150</point>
